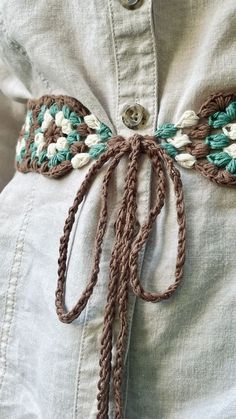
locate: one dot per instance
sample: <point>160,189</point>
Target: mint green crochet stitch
<point>170,149</point>
<point>166,131</point>
<point>219,159</point>
<point>97,149</point>
<point>217,140</point>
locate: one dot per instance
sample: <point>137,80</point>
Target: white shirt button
<point>134,116</point>
<point>131,4</point>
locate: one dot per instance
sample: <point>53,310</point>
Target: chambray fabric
<point>180,359</point>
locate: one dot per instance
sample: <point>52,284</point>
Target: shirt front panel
<point>112,61</point>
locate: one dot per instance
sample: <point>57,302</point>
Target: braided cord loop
<point>123,268</point>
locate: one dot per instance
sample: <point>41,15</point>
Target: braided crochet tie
<point>123,268</point>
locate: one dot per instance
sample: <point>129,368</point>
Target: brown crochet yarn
<point>51,134</point>
<point>215,103</point>
<point>123,276</point>
<point>123,269</point>
<point>197,134</point>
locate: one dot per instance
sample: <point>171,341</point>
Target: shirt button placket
<point>131,4</point>
<point>136,66</point>
<point>135,55</point>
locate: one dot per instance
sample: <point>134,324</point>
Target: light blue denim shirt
<point>167,56</point>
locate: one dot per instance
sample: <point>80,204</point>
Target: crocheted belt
<point>60,135</point>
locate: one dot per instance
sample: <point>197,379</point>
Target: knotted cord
<point>123,269</point>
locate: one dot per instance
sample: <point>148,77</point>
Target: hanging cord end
<point>123,270</point>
